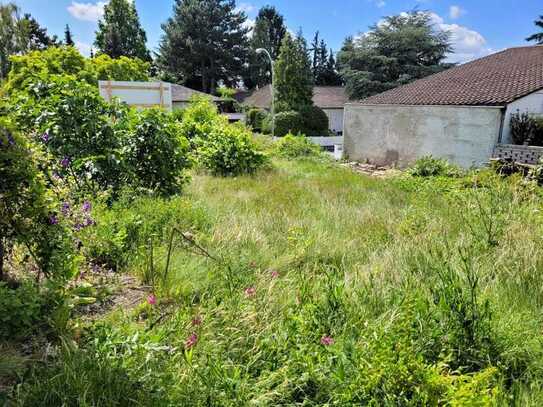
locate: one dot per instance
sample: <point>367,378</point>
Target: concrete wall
<point>335,118</point>
<point>532,103</point>
<point>398,135</point>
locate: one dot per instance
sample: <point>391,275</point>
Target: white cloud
<point>250,24</point>
<point>379,3</point>
<point>87,11</point>
<point>246,7</point>
<point>83,47</point>
<point>467,44</point>
<point>456,12</point>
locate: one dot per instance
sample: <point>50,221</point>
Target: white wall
<point>398,134</point>
<point>335,118</point>
<point>532,103</point>
<point>138,94</point>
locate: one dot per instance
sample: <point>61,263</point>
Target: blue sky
<point>478,27</point>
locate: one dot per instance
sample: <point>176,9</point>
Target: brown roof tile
<point>325,97</point>
<point>494,80</point>
<point>183,94</point>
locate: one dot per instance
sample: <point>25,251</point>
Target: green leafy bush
<point>228,151</point>
<point>315,121</point>
<point>433,167</point>
<point>28,208</point>
<point>41,65</point>
<point>103,67</point>
<point>199,118</point>
<point>285,122</point>
<point>292,146</point>
<point>523,128</point>
<point>155,153</point>
<point>130,222</point>
<point>22,311</point>
<point>77,127</point>
<point>255,118</point>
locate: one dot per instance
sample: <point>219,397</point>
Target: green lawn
<point>320,287</point>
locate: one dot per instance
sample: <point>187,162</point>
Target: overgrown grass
<point>318,286</point>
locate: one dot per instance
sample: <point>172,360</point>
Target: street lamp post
<point>265,51</point>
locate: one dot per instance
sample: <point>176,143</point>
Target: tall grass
<point>327,288</point>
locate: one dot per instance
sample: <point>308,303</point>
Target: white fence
<point>334,145</point>
<point>139,94</point>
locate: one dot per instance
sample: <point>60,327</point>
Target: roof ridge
<point>494,79</point>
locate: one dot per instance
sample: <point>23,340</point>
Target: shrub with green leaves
<point>315,121</point>
<point>22,310</point>
<point>255,118</point>
<point>72,121</point>
<point>292,147</point>
<point>199,118</point>
<point>285,122</point>
<point>28,208</point>
<point>433,167</point>
<point>41,65</point>
<point>103,67</point>
<point>228,151</point>
<point>155,153</point>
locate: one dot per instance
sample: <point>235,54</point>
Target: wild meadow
<point>309,284</point>
<point>154,258</point>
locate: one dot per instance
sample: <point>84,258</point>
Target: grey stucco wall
<point>398,135</point>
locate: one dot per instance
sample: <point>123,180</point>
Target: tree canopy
<point>538,37</point>
<point>120,32</point>
<point>204,44</point>
<point>323,64</point>
<point>398,50</point>
<point>19,35</point>
<point>293,76</point>
<point>268,33</point>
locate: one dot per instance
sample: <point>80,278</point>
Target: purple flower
<point>88,222</point>
<point>327,341</point>
<point>53,220</point>
<point>65,208</point>
<point>87,206</point>
<point>65,162</point>
<point>78,227</point>
<point>151,300</point>
<point>196,321</point>
<point>275,274</point>
<point>45,137</point>
<point>11,140</point>
<point>191,341</point>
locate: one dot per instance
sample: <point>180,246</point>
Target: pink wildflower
<point>191,341</point>
<point>250,292</point>
<point>196,321</point>
<point>151,300</point>
<point>275,274</point>
<point>327,341</point>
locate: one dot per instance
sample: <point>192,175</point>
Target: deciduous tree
<point>398,50</point>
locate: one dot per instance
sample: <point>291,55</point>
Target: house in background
<point>157,94</point>
<point>460,114</point>
<point>331,99</point>
<point>181,96</point>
